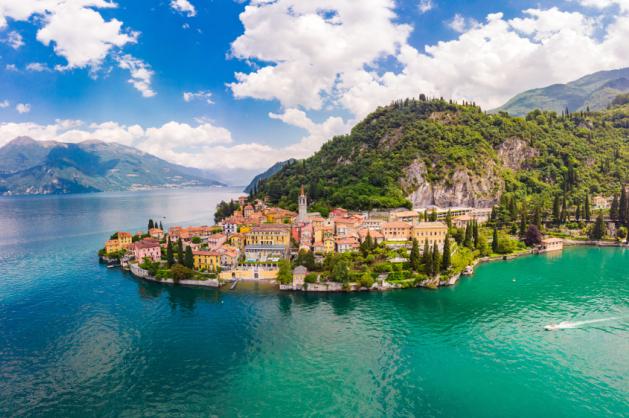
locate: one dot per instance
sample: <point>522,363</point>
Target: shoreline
<point>334,287</point>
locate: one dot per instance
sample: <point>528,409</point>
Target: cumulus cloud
<point>189,96</point>
<point>141,74</point>
<point>461,24</point>
<point>307,56</point>
<point>425,6</point>
<point>14,40</point>
<point>23,108</point>
<point>4,104</point>
<point>78,33</point>
<point>37,67</point>
<point>183,6</point>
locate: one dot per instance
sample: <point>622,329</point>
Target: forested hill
<point>423,152</point>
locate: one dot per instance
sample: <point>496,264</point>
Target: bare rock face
<point>461,189</point>
<point>515,153</point>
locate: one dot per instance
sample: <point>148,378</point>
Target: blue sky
<point>233,86</point>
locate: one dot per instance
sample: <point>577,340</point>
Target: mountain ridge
<point>28,166</point>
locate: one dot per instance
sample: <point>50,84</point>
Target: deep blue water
<point>78,339</point>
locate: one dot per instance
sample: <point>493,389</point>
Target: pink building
<point>216,240</point>
<point>147,248</point>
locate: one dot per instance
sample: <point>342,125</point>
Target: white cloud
<point>425,6</point>
<point>14,40</point>
<point>461,24</point>
<point>11,67</point>
<point>310,45</point>
<point>141,74</point>
<point>23,108</point>
<point>37,67</point>
<point>78,33</point>
<point>4,104</point>
<point>316,62</point>
<point>199,95</point>
<point>183,6</point>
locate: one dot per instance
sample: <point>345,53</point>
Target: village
<point>347,250</point>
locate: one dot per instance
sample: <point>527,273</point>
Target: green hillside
<point>417,152</point>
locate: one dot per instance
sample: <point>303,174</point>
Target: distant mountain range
<point>49,167</point>
<point>268,173</point>
<point>595,91</point>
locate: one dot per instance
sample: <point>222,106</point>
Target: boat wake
<point>576,324</point>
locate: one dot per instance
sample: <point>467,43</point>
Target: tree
<point>340,271</point>
<point>436,260</point>
<point>598,230</point>
<point>614,211</point>
<point>586,210</point>
<point>532,236</point>
<point>494,242</point>
<point>622,233</point>
<point>523,223</point>
<point>366,280</point>
<point>414,258</point>
<point>433,216</point>
<point>170,255</point>
<point>467,242</point>
<point>151,224</point>
<point>556,211</point>
<point>189,258</point>
<point>180,272</point>
<point>446,261</point>
<point>537,217</point>
<point>475,233</point>
<point>577,212</point>
<point>449,218</point>
<point>160,225</point>
<point>427,258</point>
<point>623,207</point>
<point>284,274</point>
<point>180,258</point>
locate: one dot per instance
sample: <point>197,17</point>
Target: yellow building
<point>125,239</point>
<point>329,245</point>
<point>206,260</point>
<point>237,240</point>
<point>433,232</point>
<point>269,234</point>
<point>112,246</point>
<point>396,231</point>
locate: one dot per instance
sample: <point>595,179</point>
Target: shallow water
<point>78,339</point>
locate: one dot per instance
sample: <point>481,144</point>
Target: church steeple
<point>303,204</point>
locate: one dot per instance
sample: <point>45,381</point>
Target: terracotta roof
<point>396,224</point>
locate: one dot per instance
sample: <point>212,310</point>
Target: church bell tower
<point>303,205</point>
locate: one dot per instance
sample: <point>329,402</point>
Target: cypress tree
<point>433,216</point>
<point>449,219</point>
<point>494,242</point>
<point>436,260</point>
<point>161,226</point>
<point>468,236</point>
<point>614,211</point>
<point>577,212</point>
<point>598,230</point>
<point>170,255</point>
<point>522,223</point>
<point>475,234</point>
<point>623,207</point>
<point>445,261</point>
<point>415,259</point>
<point>537,218</point>
<point>151,224</point>
<point>556,211</point>
<point>180,258</point>
<point>564,214</point>
<point>427,258</point>
<point>586,210</point>
<point>189,258</point>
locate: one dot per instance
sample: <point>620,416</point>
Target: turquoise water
<point>78,339</point>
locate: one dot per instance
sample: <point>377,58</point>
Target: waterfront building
<point>299,277</point>
<point>147,248</point>
<point>433,232</point>
<point>265,252</point>
<point>551,244</point>
<point>125,239</point>
<point>396,231</point>
<point>112,246</point>
<point>206,260</point>
<point>269,234</point>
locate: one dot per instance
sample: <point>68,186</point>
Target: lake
<point>78,339</point>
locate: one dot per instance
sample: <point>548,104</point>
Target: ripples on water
<point>78,339</point>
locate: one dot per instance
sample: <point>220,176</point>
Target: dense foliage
<point>577,154</point>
